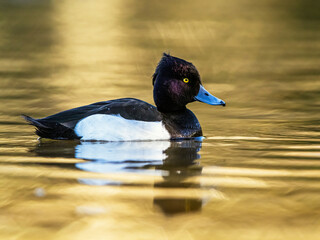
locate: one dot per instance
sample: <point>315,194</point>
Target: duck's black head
<point>177,83</point>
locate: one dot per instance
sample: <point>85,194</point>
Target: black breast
<point>182,124</point>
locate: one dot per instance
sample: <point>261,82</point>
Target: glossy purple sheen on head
<point>176,88</point>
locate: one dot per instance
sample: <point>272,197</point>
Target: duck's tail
<point>53,130</point>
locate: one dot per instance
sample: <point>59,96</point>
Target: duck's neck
<point>170,109</point>
<point>166,104</point>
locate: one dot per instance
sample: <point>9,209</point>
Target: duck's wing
<point>128,108</point>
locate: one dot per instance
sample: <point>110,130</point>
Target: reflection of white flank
<point>116,128</point>
<point>120,156</point>
<point>122,151</point>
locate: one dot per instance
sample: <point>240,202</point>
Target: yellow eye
<point>186,80</point>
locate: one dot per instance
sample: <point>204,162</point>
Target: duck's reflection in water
<point>180,165</point>
<point>175,161</point>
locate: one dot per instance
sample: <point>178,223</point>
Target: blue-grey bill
<point>206,97</point>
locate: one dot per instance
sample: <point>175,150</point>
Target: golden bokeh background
<point>257,173</point>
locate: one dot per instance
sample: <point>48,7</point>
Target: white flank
<point>116,128</point>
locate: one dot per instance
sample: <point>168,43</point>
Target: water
<point>255,175</point>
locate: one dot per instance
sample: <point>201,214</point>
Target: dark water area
<point>255,175</point>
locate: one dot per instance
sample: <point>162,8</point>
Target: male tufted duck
<point>176,83</point>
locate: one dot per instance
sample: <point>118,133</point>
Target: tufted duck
<point>176,83</point>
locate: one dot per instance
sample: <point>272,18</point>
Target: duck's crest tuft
<point>176,66</point>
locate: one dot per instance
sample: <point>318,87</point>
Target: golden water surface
<point>256,175</point>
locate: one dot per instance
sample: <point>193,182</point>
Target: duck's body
<point>128,119</point>
<point>118,120</point>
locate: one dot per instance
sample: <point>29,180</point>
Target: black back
<point>128,108</point>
